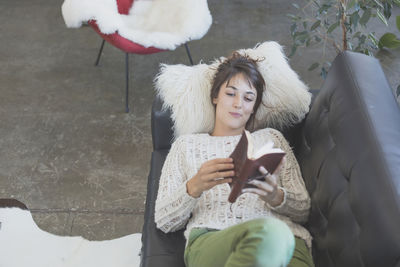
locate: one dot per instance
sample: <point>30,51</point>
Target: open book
<point>247,160</point>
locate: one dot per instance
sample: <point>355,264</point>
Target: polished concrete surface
<point>67,149</point>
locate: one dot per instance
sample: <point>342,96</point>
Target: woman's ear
<point>215,100</point>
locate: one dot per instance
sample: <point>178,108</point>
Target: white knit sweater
<point>174,206</point>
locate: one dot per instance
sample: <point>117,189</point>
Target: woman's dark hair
<point>239,64</point>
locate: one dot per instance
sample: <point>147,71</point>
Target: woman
<point>258,229</point>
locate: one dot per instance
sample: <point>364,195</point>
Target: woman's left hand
<point>268,189</point>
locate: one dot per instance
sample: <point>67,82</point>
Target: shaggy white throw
<point>186,91</point>
<point>23,243</point>
<point>164,24</point>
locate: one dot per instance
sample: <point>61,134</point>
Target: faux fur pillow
<point>186,91</point>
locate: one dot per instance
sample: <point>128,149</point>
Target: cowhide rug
<point>23,244</point>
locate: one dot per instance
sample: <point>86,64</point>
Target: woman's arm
<point>173,204</point>
<point>296,202</point>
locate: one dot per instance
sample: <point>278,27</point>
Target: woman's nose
<point>238,101</point>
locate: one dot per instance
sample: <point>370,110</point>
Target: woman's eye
<point>230,94</point>
<point>248,99</point>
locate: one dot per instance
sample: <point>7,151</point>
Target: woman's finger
<point>216,175</point>
<point>263,170</point>
<point>271,179</point>
<point>218,161</point>
<point>255,191</point>
<point>262,185</point>
<point>219,167</point>
<point>220,181</point>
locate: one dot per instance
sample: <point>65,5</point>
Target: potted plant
<point>342,25</point>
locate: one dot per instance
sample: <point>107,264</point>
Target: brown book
<point>247,161</point>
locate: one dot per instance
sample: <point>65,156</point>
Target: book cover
<point>247,162</point>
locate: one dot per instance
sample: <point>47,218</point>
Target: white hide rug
<point>23,244</point>
<point>164,24</point>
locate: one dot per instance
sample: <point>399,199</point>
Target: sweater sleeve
<point>296,203</point>
<point>173,205</point>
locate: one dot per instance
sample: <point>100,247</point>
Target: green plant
<point>318,21</point>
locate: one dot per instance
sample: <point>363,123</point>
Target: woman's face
<point>234,105</point>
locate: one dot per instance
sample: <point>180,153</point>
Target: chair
<point>131,33</point>
<point>348,151</point>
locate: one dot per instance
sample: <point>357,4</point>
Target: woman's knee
<point>272,226</point>
<point>274,241</point>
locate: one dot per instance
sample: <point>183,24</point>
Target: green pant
<point>261,242</point>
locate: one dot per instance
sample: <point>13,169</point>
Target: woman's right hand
<point>210,174</point>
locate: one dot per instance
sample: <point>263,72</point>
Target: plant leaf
<point>296,5</point>
<point>373,39</point>
<point>367,52</point>
<point>378,3</point>
<point>323,73</point>
<point>350,46</point>
<point>389,40</point>
<point>397,2</point>
<point>293,17</point>
<point>333,27</point>
<point>365,17</point>
<point>324,8</point>
<point>354,19</point>
<point>351,4</point>
<point>294,48</point>
<point>398,22</point>
<point>387,11</point>
<point>301,36</point>
<point>308,41</point>
<point>315,25</point>
<point>356,35</point>
<point>313,66</point>
<point>381,17</point>
<point>293,29</point>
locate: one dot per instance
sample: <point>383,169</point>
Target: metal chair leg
<point>101,50</point>
<point>188,53</point>
<point>127,82</point>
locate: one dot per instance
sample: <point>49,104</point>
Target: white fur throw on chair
<point>164,24</point>
<point>186,91</point>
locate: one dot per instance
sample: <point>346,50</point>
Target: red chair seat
<point>120,42</point>
<point>124,44</point>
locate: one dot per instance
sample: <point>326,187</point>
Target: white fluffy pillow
<point>186,91</point>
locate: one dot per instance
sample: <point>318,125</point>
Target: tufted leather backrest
<point>350,159</point>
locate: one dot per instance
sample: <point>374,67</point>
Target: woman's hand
<point>211,173</point>
<point>268,189</point>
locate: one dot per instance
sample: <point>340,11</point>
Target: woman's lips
<point>235,115</point>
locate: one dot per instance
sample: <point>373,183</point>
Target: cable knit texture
<point>175,208</point>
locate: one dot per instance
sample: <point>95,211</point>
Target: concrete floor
<point>67,149</point>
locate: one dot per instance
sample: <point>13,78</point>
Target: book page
<point>250,147</point>
<point>266,149</point>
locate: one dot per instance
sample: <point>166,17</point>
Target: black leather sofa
<point>348,148</point>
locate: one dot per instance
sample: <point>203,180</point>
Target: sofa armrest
<point>161,126</point>
<point>159,248</point>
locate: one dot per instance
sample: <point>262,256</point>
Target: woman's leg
<point>301,256</point>
<point>261,242</point>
